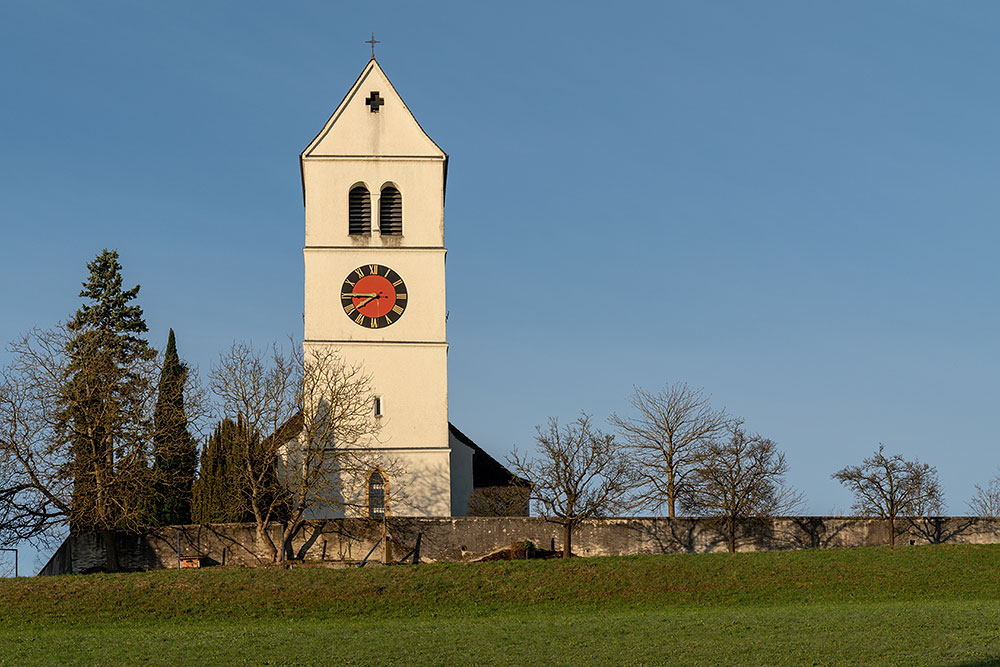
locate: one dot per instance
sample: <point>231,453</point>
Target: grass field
<point>912,605</point>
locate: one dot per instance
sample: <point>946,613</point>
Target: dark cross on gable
<point>373,42</point>
<point>374,101</point>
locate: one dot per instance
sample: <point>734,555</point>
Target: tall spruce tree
<point>175,453</point>
<point>219,490</point>
<point>104,402</point>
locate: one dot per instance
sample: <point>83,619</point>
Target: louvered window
<point>359,211</point>
<point>376,495</point>
<point>390,212</point>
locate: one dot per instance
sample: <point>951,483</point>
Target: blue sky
<point>791,204</point>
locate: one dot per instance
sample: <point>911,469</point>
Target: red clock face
<point>373,296</point>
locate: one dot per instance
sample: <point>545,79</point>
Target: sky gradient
<point>792,205</point>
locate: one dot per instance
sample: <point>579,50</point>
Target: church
<point>374,187</point>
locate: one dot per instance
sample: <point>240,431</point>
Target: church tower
<point>374,190</point>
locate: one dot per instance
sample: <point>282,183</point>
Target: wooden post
<point>416,550</point>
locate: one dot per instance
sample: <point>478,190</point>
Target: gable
<point>486,470</point>
<point>354,130</point>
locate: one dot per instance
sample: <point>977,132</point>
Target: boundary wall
<point>347,541</point>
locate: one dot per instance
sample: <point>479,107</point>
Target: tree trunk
<point>731,537</point>
<point>567,540</point>
<point>110,551</point>
<point>265,542</point>
<point>892,532</point>
<point>671,494</point>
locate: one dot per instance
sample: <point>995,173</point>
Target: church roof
<point>358,128</point>
<point>290,429</point>
<point>486,470</point>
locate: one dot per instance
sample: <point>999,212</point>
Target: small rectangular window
<point>378,406</point>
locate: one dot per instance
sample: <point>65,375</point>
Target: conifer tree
<point>218,492</point>
<point>175,453</point>
<point>104,399</point>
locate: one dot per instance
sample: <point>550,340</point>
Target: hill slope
<point>927,605</point>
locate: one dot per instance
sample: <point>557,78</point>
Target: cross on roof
<point>373,42</point>
<point>374,101</point>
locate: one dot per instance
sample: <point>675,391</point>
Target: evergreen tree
<point>104,401</point>
<point>175,453</point>
<point>219,489</point>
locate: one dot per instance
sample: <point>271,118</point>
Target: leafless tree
<point>986,501</point>
<point>259,388</point>
<point>579,473</point>
<point>328,465</point>
<point>668,432</point>
<point>40,470</point>
<point>318,412</point>
<point>509,500</point>
<point>741,477</point>
<point>891,487</point>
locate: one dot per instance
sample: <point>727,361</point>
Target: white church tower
<point>374,188</point>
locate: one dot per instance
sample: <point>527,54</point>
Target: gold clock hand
<point>373,296</point>
<point>358,294</point>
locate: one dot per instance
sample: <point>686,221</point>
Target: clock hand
<point>359,294</point>
<point>373,296</point>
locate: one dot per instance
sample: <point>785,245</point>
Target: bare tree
<point>319,414</point>
<point>666,436</point>
<point>509,500</point>
<point>42,461</point>
<point>741,477</point>
<point>986,501</point>
<point>259,389</point>
<point>327,466</point>
<point>891,486</point>
<point>579,473</point>
<point>36,459</point>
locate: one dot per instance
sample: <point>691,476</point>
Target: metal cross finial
<point>373,42</point>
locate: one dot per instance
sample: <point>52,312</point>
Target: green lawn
<point>912,605</point>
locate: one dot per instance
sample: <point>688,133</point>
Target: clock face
<point>373,296</point>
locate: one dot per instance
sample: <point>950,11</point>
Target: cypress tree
<point>103,399</point>
<point>175,453</point>
<point>219,489</point>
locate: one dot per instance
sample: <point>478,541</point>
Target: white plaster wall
<point>408,360</point>
<point>420,487</point>
<point>328,182</point>
<point>461,476</point>
<point>354,130</point>
<point>424,488</point>
<point>423,271</point>
<point>413,383</point>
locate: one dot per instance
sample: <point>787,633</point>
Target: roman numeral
<point>373,269</point>
<point>360,319</point>
<point>360,272</point>
<point>374,324</point>
<point>400,295</point>
<point>396,309</point>
<point>349,308</point>
<point>398,283</point>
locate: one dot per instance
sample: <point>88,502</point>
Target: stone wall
<point>468,538</point>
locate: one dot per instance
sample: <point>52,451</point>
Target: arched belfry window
<point>390,212</point>
<point>378,488</point>
<point>359,211</point>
